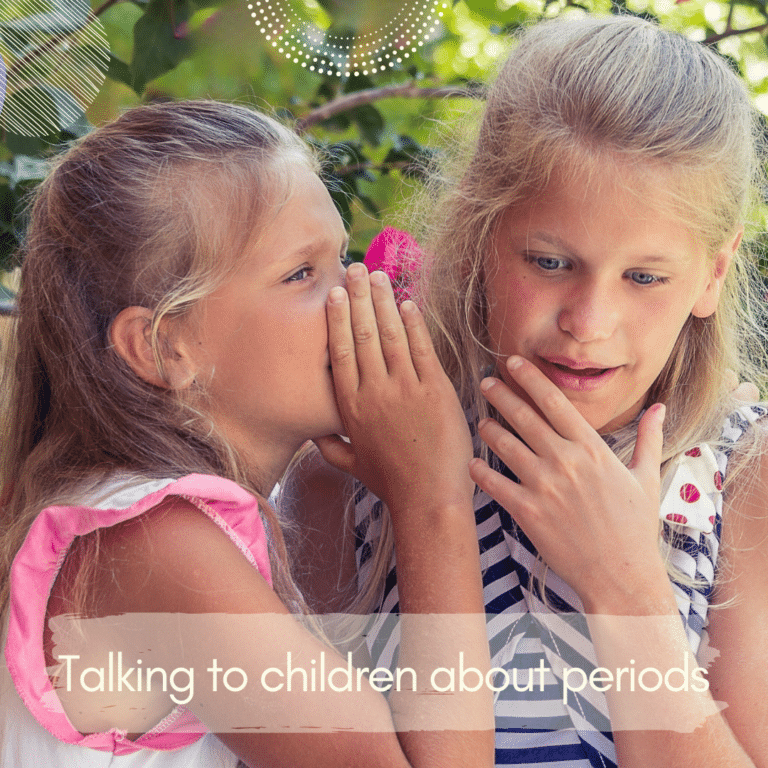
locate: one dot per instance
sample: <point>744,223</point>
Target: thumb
<point>646,459</point>
<point>336,452</point>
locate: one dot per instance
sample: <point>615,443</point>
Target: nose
<point>591,313</point>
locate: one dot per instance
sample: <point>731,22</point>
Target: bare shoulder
<point>171,561</point>
<point>317,499</point>
<point>737,630</point>
<point>175,559</point>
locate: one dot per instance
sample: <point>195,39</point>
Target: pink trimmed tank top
<point>34,729</point>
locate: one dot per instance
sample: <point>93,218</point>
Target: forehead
<point>616,212</point>
<point>610,179</point>
<point>594,186</point>
<point>299,220</point>
<point>300,207</point>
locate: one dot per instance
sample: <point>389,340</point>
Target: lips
<point>581,375</point>
<point>580,371</point>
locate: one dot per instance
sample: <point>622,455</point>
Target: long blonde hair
<point>152,210</point>
<point>575,94</point>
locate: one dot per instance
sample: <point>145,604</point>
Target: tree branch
<point>734,32</point>
<point>403,90</point>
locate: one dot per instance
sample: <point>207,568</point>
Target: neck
<point>265,456</point>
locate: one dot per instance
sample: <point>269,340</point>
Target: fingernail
<point>336,295</point>
<point>356,270</point>
<point>514,363</point>
<point>661,411</point>
<point>482,423</point>
<point>378,278</point>
<point>486,384</point>
<point>409,307</point>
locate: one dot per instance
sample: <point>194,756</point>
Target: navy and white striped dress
<point>533,724</point>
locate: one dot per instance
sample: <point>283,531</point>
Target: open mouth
<point>585,378</point>
<point>588,372</point>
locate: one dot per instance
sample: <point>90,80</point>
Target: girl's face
<point>261,340</point>
<point>593,283</point>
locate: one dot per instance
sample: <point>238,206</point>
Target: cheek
<point>514,310</point>
<point>303,327</point>
<point>658,324</point>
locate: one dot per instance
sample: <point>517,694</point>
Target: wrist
<point>436,512</point>
<point>651,595</point>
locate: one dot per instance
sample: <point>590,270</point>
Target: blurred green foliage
<point>378,140</point>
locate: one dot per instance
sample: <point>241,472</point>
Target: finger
<point>365,331</point>
<point>341,345</point>
<point>646,458</point>
<point>512,496</point>
<point>392,335</point>
<point>552,403</point>
<point>511,450</point>
<point>527,422</point>
<point>422,351</point>
<point>336,452</point>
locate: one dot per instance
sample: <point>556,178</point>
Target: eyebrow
<point>552,240</point>
<point>312,247</point>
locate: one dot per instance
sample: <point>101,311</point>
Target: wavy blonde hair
<point>576,94</point>
<point>154,209</point>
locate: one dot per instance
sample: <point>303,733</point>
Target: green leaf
<point>156,49</point>
<point>370,122</point>
<point>358,82</point>
<point>339,122</point>
<point>119,71</point>
<point>28,145</point>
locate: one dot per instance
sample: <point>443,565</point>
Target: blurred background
<point>370,82</point>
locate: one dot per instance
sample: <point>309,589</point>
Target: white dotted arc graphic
<point>58,56</point>
<point>304,43</point>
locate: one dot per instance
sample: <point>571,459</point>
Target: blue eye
<point>643,278</point>
<point>547,263</point>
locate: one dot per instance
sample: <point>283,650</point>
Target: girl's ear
<point>707,302</point>
<point>130,335</point>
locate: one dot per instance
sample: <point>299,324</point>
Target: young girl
<point>172,354</point>
<point>586,252</point>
